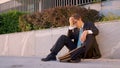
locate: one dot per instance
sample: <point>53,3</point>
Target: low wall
<point>38,43</point>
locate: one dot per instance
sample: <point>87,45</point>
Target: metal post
<point>73,2</point>
<point>54,4</point>
<point>79,2</point>
<point>82,2</point>
<point>88,1</point>
<point>60,2</point>
<point>70,3</point>
<point>76,2</point>
<point>65,2</point>
<point>85,2</point>
<point>91,1</point>
<point>42,4</point>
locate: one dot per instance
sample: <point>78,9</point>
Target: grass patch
<point>110,17</point>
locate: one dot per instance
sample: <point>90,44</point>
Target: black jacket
<point>92,49</point>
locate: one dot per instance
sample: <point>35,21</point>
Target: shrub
<point>26,25</point>
<point>55,17</point>
<point>9,22</point>
<point>1,20</point>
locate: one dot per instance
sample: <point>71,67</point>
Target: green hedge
<point>1,20</point>
<point>9,22</point>
<point>55,17</point>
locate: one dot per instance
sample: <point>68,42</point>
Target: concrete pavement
<point>35,62</point>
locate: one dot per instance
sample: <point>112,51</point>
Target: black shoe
<point>74,61</point>
<point>49,58</point>
<point>96,57</point>
<point>71,60</point>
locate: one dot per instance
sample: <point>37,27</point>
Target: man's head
<point>77,20</point>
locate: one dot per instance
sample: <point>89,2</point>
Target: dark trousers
<point>80,52</point>
<point>61,42</point>
<point>66,41</point>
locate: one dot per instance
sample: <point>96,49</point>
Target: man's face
<point>78,23</point>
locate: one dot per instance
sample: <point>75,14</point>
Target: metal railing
<point>39,5</point>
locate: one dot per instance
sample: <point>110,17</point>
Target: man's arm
<point>70,32</point>
<point>94,29</point>
<point>90,29</point>
<point>71,28</point>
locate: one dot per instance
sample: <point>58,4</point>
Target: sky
<point>2,1</point>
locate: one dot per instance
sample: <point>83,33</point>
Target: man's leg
<point>87,45</point>
<point>92,49</point>
<point>79,53</point>
<point>60,43</point>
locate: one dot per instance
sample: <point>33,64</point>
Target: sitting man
<point>81,35</point>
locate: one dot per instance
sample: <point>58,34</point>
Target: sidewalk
<point>35,62</point>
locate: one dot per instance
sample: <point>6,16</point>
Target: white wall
<point>38,43</point>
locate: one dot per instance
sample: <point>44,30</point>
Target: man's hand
<point>83,36</point>
<point>71,21</point>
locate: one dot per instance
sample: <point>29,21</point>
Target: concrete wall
<point>38,43</point>
<point>3,1</point>
<point>33,43</point>
<point>108,39</point>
